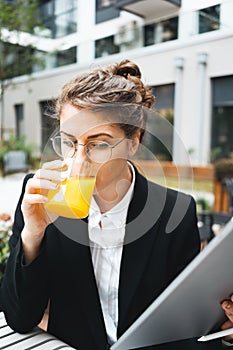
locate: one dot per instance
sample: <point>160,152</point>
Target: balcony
<point>149,8</point>
<point>132,36</point>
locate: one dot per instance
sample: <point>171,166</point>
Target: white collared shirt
<point>106,242</point>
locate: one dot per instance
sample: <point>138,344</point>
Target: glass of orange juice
<point>73,196</point>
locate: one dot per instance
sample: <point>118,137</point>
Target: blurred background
<point>185,51</point>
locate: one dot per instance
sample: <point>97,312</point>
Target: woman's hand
<point>36,218</point>
<point>227,306</point>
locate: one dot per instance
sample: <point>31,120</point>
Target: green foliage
<point>5,232</point>
<point>14,143</point>
<point>18,14</point>
<point>215,154</point>
<point>223,168</point>
<point>16,17</point>
<point>203,204</point>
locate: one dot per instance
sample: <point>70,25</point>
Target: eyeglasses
<point>96,150</point>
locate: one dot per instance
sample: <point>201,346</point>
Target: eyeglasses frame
<point>76,144</point>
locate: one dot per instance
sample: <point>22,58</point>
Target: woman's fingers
<point>34,185</point>
<point>52,171</point>
<point>226,325</point>
<point>52,175</point>
<point>227,306</point>
<point>56,165</point>
<point>34,199</point>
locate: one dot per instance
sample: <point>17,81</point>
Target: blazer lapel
<point>139,240</point>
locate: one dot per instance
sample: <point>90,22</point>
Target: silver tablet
<point>190,306</point>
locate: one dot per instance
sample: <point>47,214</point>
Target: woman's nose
<point>80,154</point>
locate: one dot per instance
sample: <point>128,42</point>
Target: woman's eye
<point>68,143</point>
<point>100,145</point>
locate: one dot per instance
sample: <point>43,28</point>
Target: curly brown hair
<point>116,86</point>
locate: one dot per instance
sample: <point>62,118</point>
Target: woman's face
<point>82,126</point>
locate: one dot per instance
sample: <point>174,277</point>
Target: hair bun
<point>126,68</point>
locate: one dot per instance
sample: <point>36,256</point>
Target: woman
<point>96,289</point>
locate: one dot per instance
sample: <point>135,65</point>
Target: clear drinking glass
<point>73,196</point>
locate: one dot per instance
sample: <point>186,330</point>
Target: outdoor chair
<point>229,186</point>
<point>210,224</point>
<point>205,223</point>
<point>14,161</point>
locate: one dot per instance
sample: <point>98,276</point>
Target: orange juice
<point>72,198</point>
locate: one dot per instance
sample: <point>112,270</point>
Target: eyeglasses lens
<point>96,151</point>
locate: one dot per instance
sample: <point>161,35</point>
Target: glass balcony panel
<point>62,6</point>
<point>65,24</point>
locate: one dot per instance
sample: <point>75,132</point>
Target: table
<point>36,340</point>
<point>40,340</point>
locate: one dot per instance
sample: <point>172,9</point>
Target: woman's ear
<point>134,143</point>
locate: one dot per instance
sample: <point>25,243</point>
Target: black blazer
<point>161,239</point>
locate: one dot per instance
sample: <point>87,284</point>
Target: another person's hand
<point>227,306</point>
<point>36,218</point>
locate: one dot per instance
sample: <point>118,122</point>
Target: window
<point>58,17</point>
<point>105,47</point>
<point>66,57</point>
<point>222,118</point>
<point>209,19</point>
<point>104,3</point>
<point>19,120</point>
<point>222,126</point>
<point>106,10</point>
<point>160,32</point>
<point>159,139</point>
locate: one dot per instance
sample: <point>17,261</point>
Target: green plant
<point>203,204</point>
<point>191,151</point>
<point>223,168</point>
<point>215,154</point>
<point>17,56</point>
<point>14,143</point>
<point>5,232</point>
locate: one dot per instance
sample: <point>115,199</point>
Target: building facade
<point>184,49</point>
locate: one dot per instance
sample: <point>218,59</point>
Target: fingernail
<point>224,304</point>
